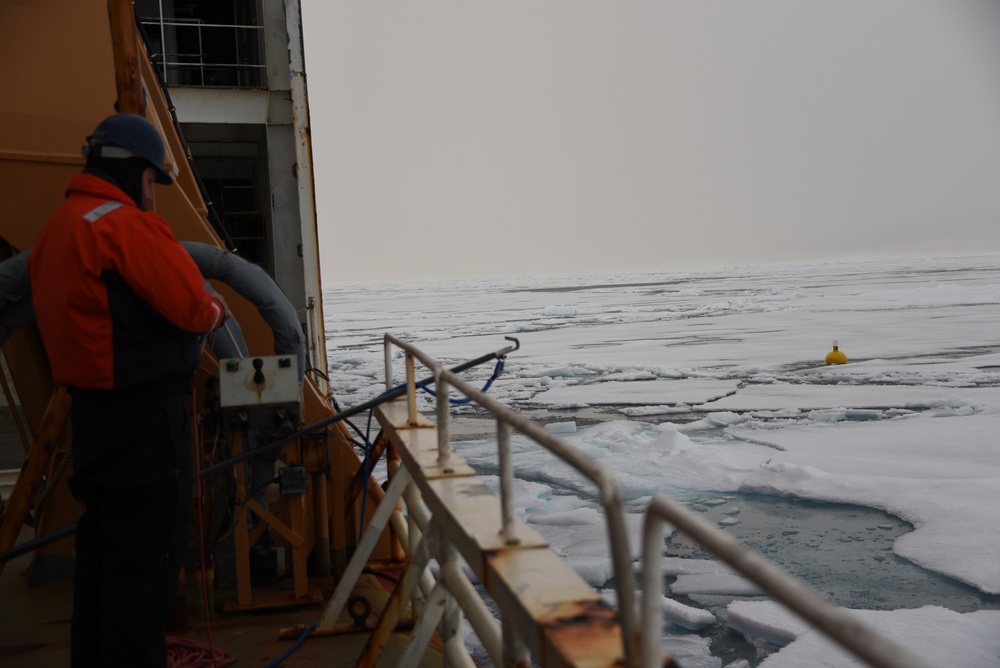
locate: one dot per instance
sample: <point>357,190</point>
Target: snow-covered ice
<point>710,386</point>
<point>767,620</point>
<point>939,636</point>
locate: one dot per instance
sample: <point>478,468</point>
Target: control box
<point>261,386</point>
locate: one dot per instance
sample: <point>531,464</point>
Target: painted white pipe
<point>483,622</point>
<point>443,421</point>
<point>507,514</point>
<point>480,618</point>
<point>421,634</point>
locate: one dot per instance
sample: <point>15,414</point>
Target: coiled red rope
<point>186,653</point>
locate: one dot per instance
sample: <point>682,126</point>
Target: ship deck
<point>35,625</point>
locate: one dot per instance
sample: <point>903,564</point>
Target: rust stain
<point>584,632</point>
<point>575,612</point>
<point>314,454</point>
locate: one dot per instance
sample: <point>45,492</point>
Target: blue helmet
<point>137,136</point>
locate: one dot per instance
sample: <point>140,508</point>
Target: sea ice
<point>940,637</point>
<point>909,425</point>
<point>721,583</point>
<point>765,619</point>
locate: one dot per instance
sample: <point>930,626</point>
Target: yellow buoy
<point>835,356</point>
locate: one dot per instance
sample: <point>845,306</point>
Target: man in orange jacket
<point>122,311</point>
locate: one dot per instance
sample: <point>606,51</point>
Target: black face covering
<point>126,173</point>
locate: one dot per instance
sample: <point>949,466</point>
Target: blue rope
<point>497,370</point>
<point>291,650</point>
<point>364,492</point>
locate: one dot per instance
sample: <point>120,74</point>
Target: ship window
<point>230,160</point>
<point>205,43</point>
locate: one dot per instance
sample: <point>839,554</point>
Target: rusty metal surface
<point>561,619</point>
<point>125,44</point>
<point>586,633</point>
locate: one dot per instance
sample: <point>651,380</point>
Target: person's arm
<point>161,271</point>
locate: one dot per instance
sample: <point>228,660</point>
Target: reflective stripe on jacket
<point>119,301</point>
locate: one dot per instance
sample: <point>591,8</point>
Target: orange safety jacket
<point>119,301</point>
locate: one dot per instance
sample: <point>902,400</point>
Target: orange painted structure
<point>65,64</point>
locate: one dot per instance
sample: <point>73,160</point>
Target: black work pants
<point>132,459</point>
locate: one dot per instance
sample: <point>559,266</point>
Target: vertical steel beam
<point>125,42</point>
<point>307,196</point>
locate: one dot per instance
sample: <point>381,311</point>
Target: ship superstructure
<point>234,71</point>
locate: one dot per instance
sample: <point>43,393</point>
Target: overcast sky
<point>474,139</point>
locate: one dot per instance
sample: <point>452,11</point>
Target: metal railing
<point>243,69</point>
<point>440,602</point>
<point>835,623</point>
<point>541,598</point>
<point>507,419</point>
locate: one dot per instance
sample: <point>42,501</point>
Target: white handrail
<point>836,623</point>
<point>607,485</point>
